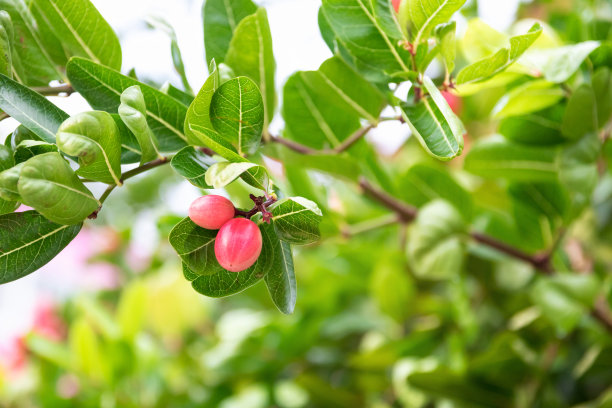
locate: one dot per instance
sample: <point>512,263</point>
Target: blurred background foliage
<point>366,331</point>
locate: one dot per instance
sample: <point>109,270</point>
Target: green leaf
<point>199,110</point>
<point>175,51</point>
<point>221,174</point>
<point>501,60</point>
<point>208,277</point>
<point>422,184</point>
<point>448,47</point>
<point>130,149</point>
<point>237,113</point>
<point>581,113</point>
<point>578,165</point>
<point>250,54</point>
<point>322,108</point>
<point>560,63</point>
<point>359,31</point>
<point>30,148</point>
<point>29,49</point>
<point>565,299</point>
<point>133,112</point>
<point>192,164</point>
<point>82,30</point>
<point>102,88</point>
<point>50,186</point>
<point>6,162</point>
<point>435,247</point>
<point>529,97</point>
<point>31,109</point>
<point>28,241</point>
<point>496,157</point>
<point>427,14</point>
<point>602,86</point>
<point>432,121</point>
<point>8,183</point>
<point>181,96</point>
<point>547,199</point>
<point>392,287</point>
<point>93,138</point>
<point>541,128</point>
<point>296,220</point>
<point>195,246</point>
<point>6,44</point>
<point>280,279</point>
<point>221,18</point>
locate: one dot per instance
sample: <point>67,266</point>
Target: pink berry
<point>396,5</point>
<point>454,101</point>
<point>211,211</point>
<point>238,244</point>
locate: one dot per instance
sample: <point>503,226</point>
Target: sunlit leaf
<point>133,112</point>
<point>296,220</point>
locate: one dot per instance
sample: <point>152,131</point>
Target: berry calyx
<point>211,211</point>
<point>238,244</point>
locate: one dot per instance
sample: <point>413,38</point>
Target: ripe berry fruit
<point>396,5</point>
<point>454,101</point>
<point>211,211</point>
<point>238,244</point>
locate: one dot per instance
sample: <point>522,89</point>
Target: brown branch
<point>300,148</point>
<point>406,212</point>
<point>4,115</point>
<point>351,140</point>
<point>66,89</point>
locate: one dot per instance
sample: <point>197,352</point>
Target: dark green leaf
<point>93,138</point>
<point>192,164</point>
<point>237,113</point>
<point>538,128</point>
<point>196,247</point>
<point>102,88</point>
<point>30,148</point>
<point>296,220</point>
<point>280,279</point>
<point>31,109</point>
<point>581,113</point>
<point>28,241</point>
<point>50,186</point>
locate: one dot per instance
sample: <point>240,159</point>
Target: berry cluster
<point>238,243</point>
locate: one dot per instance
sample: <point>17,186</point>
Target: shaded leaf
<point>581,113</point>
<point>133,112</point>
<point>538,128</point>
<point>199,110</point>
<point>8,183</point>
<point>28,241</point>
<point>280,279</point>
<point>30,148</point>
<point>192,164</point>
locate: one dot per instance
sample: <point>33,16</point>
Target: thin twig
<point>300,148</point>
<point>4,115</point>
<point>352,139</point>
<point>66,89</point>
<point>406,212</point>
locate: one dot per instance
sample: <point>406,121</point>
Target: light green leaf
<point>501,60</point>
<point>199,110</point>
<point>93,138</point>
<point>29,49</point>
<point>435,246</point>
<point>8,183</point>
<point>547,199</point>
<point>30,148</point>
<point>296,220</point>
<point>82,30</point>
<point>581,113</point>
<point>50,186</point>
<point>221,17</point>
<point>237,113</point>
<point>28,241</point>
<point>250,54</point>
<point>130,149</point>
<point>427,14</point>
<point>221,174</point>
<point>358,30</point>
<point>280,279</point>
<point>102,88</point>
<point>181,96</point>
<point>496,157</point>
<point>481,40</point>
<point>537,128</point>
<point>529,97</point>
<point>133,112</point>
<point>175,51</point>
<point>448,47</point>
<point>391,287</point>
<point>322,108</point>
<point>6,162</point>
<point>432,121</point>
<point>192,164</point>
<point>578,165</point>
<point>30,108</point>
<point>601,82</point>
<point>422,184</point>
<point>559,64</point>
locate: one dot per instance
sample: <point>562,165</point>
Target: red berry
<point>211,211</point>
<point>454,101</point>
<point>238,244</point>
<point>396,5</point>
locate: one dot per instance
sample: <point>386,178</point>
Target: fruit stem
<point>261,206</point>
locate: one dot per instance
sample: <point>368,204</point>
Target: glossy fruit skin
<point>238,244</point>
<point>396,5</point>
<point>211,211</point>
<point>454,101</point>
